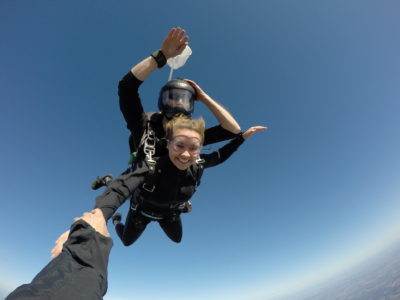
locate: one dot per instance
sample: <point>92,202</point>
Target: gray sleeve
<point>120,189</point>
<point>79,272</point>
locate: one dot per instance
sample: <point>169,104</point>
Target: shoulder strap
<point>148,147</point>
<point>150,180</point>
<point>147,144</point>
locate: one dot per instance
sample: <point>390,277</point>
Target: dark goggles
<point>178,98</point>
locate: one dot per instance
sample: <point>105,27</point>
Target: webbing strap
<point>199,170</point>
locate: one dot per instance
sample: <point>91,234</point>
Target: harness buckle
<point>200,161</point>
<point>148,189</point>
<point>134,206</point>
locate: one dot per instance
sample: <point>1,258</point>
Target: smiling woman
<point>185,137</point>
<point>161,187</point>
<point>323,74</point>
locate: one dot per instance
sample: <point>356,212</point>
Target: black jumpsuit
<point>173,187</point>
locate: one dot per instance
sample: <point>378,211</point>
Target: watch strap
<point>159,57</point>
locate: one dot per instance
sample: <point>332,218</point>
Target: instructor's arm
<point>174,43</point>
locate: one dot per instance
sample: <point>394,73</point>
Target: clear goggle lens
<point>182,143</point>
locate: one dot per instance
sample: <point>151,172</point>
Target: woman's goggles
<point>182,143</point>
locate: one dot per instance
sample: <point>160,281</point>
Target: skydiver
<point>176,97</point>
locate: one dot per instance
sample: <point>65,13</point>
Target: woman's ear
<point>164,142</point>
<point>167,145</point>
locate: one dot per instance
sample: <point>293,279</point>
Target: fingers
<point>171,33</point>
<point>88,216</point>
<point>259,128</point>
<point>175,42</point>
<point>191,82</point>
<point>177,33</point>
<point>57,249</point>
<point>184,40</point>
<point>249,132</point>
<point>97,212</point>
<point>95,218</point>
<point>181,47</point>
<point>63,237</point>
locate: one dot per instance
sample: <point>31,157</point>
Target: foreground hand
<point>174,43</point>
<point>95,218</point>
<point>249,132</point>
<point>201,95</point>
<point>59,244</point>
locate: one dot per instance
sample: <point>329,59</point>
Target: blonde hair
<point>182,122</point>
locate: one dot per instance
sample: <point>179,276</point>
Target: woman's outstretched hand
<point>95,218</point>
<point>249,132</point>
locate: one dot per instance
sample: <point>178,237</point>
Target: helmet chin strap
<point>169,119</point>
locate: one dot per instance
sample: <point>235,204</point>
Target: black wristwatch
<point>159,57</point>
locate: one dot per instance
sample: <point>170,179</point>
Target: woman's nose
<point>185,153</point>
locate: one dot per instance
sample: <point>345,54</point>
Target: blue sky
<point>313,195</point>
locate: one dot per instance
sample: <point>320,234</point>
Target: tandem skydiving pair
<point>163,176</point>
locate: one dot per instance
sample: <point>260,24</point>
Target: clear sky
<point>312,195</point>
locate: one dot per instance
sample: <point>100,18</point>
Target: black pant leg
<point>172,226</point>
<point>134,226</point>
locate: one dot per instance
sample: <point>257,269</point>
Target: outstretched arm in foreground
<point>80,271</point>
<point>95,219</point>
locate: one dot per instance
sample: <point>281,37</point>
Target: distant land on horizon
<point>377,278</point>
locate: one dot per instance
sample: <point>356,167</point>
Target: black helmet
<point>176,97</point>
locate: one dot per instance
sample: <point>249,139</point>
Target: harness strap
<point>199,170</point>
<point>149,149</point>
<point>150,180</point>
<point>148,140</point>
<point>151,216</point>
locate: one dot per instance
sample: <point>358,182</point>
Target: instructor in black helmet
<point>176,97</point>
